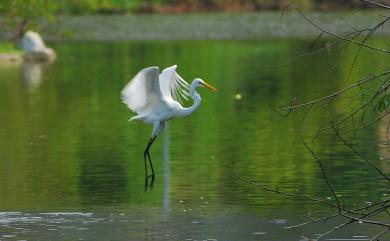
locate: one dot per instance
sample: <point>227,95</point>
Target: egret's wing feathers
<point>143,92</point>
<point>173,87</point>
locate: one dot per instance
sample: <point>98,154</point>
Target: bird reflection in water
<point>31,76</point>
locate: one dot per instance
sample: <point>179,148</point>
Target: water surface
<point>71,165</point>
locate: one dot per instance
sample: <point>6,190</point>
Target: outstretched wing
<point>173,87</point>
<point>143,92</point>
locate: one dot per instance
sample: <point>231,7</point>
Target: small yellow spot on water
<point>238,96</point>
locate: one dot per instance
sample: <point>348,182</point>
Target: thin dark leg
<point>150,159</point>
<point>147,155</point>
<point>146,168</point>
<point>152,176</point>
<point>157,128</point>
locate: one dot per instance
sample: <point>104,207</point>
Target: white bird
<point>157,98</point>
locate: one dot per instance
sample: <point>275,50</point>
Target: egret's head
<point>200,82</point>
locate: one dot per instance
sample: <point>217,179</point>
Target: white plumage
<point>143,91</point>
<point>154,96</point>
<point>173,87</point>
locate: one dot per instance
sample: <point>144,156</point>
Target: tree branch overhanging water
<point>374,88</point>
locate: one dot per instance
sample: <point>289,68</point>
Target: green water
<point>71,165</point>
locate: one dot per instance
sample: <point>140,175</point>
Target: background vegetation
<point>163,6</point>
<point>18,16</point>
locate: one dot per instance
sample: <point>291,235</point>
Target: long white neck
<point>196,97</point>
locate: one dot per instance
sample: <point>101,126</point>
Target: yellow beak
<point>209,86</point>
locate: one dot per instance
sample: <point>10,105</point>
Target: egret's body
<point>157,98</point>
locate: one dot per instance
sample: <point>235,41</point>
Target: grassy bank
<point>8,48</point>
<point>9,54</point>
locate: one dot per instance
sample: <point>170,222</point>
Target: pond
<point>71,165</point>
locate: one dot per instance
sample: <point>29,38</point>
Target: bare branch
<point>357,110</point>
<point>334,229</point>
<point>379,234</point>
<point>337,92</point>
<point>277,191</point>
<point>372,122</point>
<point>377,4</point>
<point>367,37</point>
<point>335,35</point>
<point>324,175</point>
<point>313,221</point>
<point>365,220</point>
<point>360,155</point>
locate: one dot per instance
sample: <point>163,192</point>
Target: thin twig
<point>354,112</point>
<point>379,234</point>
<point>377,4</point>
<point>334,229</point>
<point>324,175</point>
<point>371,123</point>
<point>366,221</point>
<point>335,35</point>
<point>277,191</point>
<point>313,221</point>
<point>374,212</point>
<point>336,93</point>
<point>368,36</point>
<point>360,155</point>
<point>319,50</point>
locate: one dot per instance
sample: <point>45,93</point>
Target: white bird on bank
<point>157,98</point>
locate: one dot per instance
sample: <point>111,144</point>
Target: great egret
<point>157,98</point>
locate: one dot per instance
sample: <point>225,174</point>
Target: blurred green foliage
<point>37,8</point>
<point>83,6</point>
<point>93,6</point>
<point>22,15</point>
<point>8,48</point>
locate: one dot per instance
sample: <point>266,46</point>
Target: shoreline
<point>206,26</point>
<point>258,25</point>
<point>11,58</point>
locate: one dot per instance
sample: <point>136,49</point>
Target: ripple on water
<point>68,214</point>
